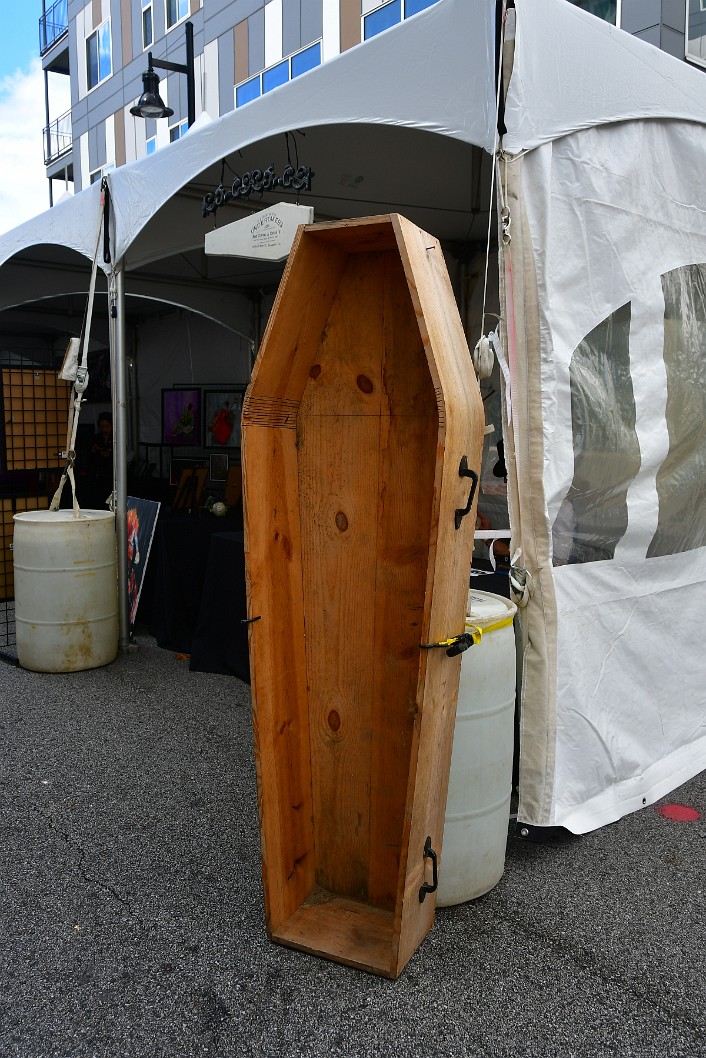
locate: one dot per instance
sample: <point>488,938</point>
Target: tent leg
<point>117,331</point>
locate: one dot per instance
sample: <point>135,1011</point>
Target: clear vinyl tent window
<point>681,480</point>
<point>593,516</point>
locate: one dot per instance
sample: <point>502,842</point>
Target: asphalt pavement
<point>132,914</point>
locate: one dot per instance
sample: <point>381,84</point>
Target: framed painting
<point>181,416</point>
<point>141,524</point>
<point>222,411</point>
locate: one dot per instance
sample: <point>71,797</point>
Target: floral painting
<point>222,412</point>
<point>181,416</point>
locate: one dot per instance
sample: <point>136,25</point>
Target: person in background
<point>101,464</point>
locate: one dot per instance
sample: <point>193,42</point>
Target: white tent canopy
<point>603,274</point>
<point>573,71</point>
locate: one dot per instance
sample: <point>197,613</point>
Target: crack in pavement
<point>80,854</point>
<point>591,964</point>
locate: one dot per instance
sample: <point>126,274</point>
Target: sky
<point>24,188</point>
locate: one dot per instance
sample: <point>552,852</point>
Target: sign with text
<point>264,236</point>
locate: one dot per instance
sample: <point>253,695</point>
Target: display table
<point>198,601</point>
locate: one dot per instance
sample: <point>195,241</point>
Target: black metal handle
<point>426,888</point>
<point>464,471</point>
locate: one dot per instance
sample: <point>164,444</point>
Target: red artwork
<point>223,410</point>
<point>221,425</point>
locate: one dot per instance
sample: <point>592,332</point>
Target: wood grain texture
<point>339,428</point>
<point>278,667</point>
<point>461,433</point>
<point>353,721</point>
<point>346,931</point>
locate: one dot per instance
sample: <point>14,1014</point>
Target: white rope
<point>79,387</point>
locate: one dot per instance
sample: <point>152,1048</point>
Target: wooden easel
<point>189,490</point>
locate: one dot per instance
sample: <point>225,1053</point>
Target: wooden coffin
<point>362,406</point>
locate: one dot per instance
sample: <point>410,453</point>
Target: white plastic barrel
<point>66,590</point>
<point>480,782</point>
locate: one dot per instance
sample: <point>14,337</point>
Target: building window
<point>177,131</point>
<point>98,58</point>
<point>176,11</point>
<point>247,91</point>
<point>605,9</point>
<point>696,31</point>
<point>98,174</point>
<point>151,144</point>
<point>385,17</point>
<point>307,59</point>
<point>277,75</point>
<point>379,15</point>
<point>413,7</point>
<point>147,26</point>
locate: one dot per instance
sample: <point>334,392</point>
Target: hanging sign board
<point>264,236</point>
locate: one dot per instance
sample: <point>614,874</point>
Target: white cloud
<point>24,189</point>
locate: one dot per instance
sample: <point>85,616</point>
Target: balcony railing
<point>57,138</point>
<point>53,25</point>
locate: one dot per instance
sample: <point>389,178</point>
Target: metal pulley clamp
<point>520,581</point>
<point>506,222</point>
<point>483,358</point>
<point>81,383</point>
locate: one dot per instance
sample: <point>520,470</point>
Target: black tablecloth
<point>198,591</point>
<point>220,640</point>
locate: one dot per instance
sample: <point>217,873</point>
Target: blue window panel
<point>151,144</point>
<point>248,91</point>
<point>383,18</point>
<point>176,10</point>
<point>275,76</point>
<point>98,58</point>
<point>92,61</point>
<point>413,7</point>
<point>104,56</point>
<point>177,131</point>
<point>306,60</point>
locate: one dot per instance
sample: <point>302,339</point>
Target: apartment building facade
<point>243,49</point>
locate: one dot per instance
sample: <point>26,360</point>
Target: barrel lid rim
<point>505,609</point>
<point>62,516</point>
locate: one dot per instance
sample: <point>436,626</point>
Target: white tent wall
<point>181,347</point>
<point>614,700</point>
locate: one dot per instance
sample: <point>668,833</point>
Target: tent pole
<point>120,446</point>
